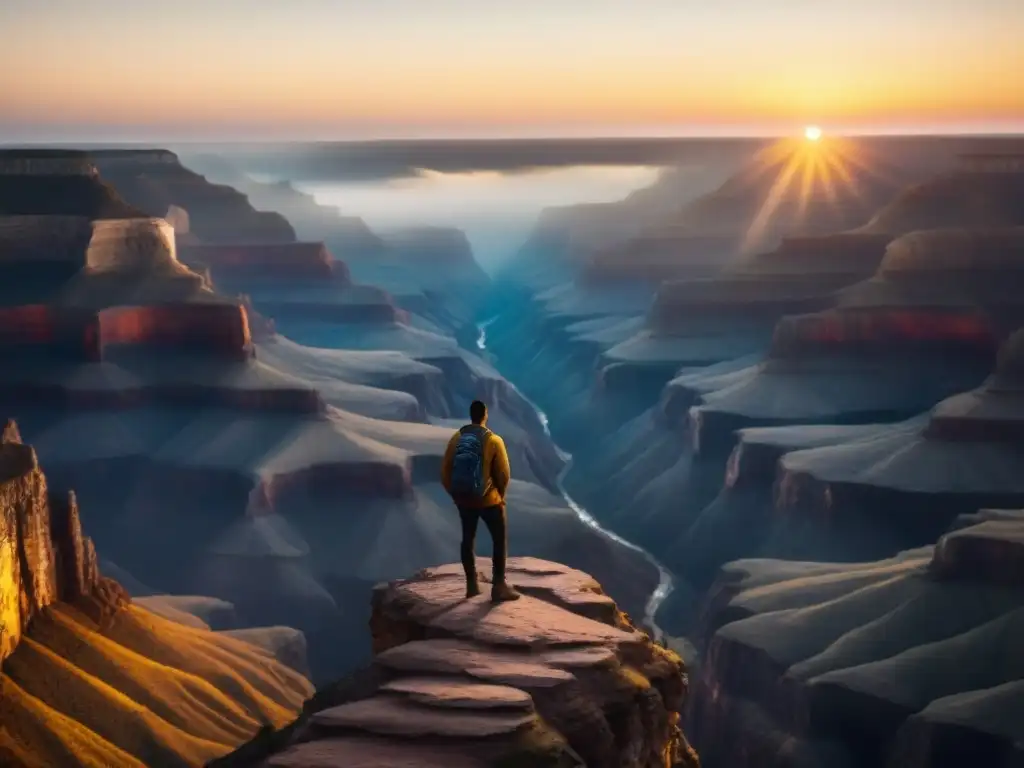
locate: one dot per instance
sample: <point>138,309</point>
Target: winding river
<point>665,581</point>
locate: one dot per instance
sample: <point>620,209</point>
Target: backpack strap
<point>482,432</point>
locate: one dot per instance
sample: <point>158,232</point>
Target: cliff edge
<point>89,679</point>
<point>560,678</point>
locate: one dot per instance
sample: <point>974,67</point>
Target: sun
<point>812,133</point>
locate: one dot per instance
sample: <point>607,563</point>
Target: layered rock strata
<point>903,485</point>
<point>558,678</point>
<point>902,662</point>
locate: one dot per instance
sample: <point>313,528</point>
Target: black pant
<point>494,519</point>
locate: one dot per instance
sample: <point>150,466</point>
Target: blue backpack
<point>468,463</point>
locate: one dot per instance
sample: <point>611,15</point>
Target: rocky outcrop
<point>44,556</point>
<point>901,662</point>
<point>131,245</point>
<point>558,678</point>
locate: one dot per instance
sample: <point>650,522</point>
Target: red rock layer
<point>881,330</point>
<point>221,328</point>
<point>81,334</point>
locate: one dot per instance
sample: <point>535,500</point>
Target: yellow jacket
<point>496,470</point>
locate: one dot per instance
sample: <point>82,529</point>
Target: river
<point>665,580</point>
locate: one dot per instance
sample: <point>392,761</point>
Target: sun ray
<point>807,184</point>
<point>779,187</point>
<point>835,163</point>
<point>827,182</point>
<point>858,157</point>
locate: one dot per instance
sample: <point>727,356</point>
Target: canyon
<point>765,441</point>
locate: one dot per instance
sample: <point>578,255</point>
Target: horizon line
<point>1018,132</point>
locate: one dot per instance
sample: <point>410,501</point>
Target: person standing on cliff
<point>476,473</point>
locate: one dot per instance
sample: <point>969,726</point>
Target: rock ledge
<point>558,678</point>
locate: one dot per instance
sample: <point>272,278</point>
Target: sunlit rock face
<point>131,245</point>
<point>179,220</point>
<point>44,556</point>
<point>459,682</point>
<point>903,661</point>
<point>154,180</point>
<point>78,658</point>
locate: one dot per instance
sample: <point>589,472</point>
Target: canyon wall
<point>44,556</point>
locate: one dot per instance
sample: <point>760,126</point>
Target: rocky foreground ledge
<point>558,679</point>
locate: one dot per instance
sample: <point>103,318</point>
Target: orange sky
<point>435,67</point>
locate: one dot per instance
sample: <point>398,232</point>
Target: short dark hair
<point>477,411</point>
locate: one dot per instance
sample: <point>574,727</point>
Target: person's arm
<point>446,464</point>
<point>501,472</point>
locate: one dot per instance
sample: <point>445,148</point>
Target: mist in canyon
<point>496,209</point>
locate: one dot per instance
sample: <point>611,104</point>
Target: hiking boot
<point>472,590</point>
<point>503,593</point>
